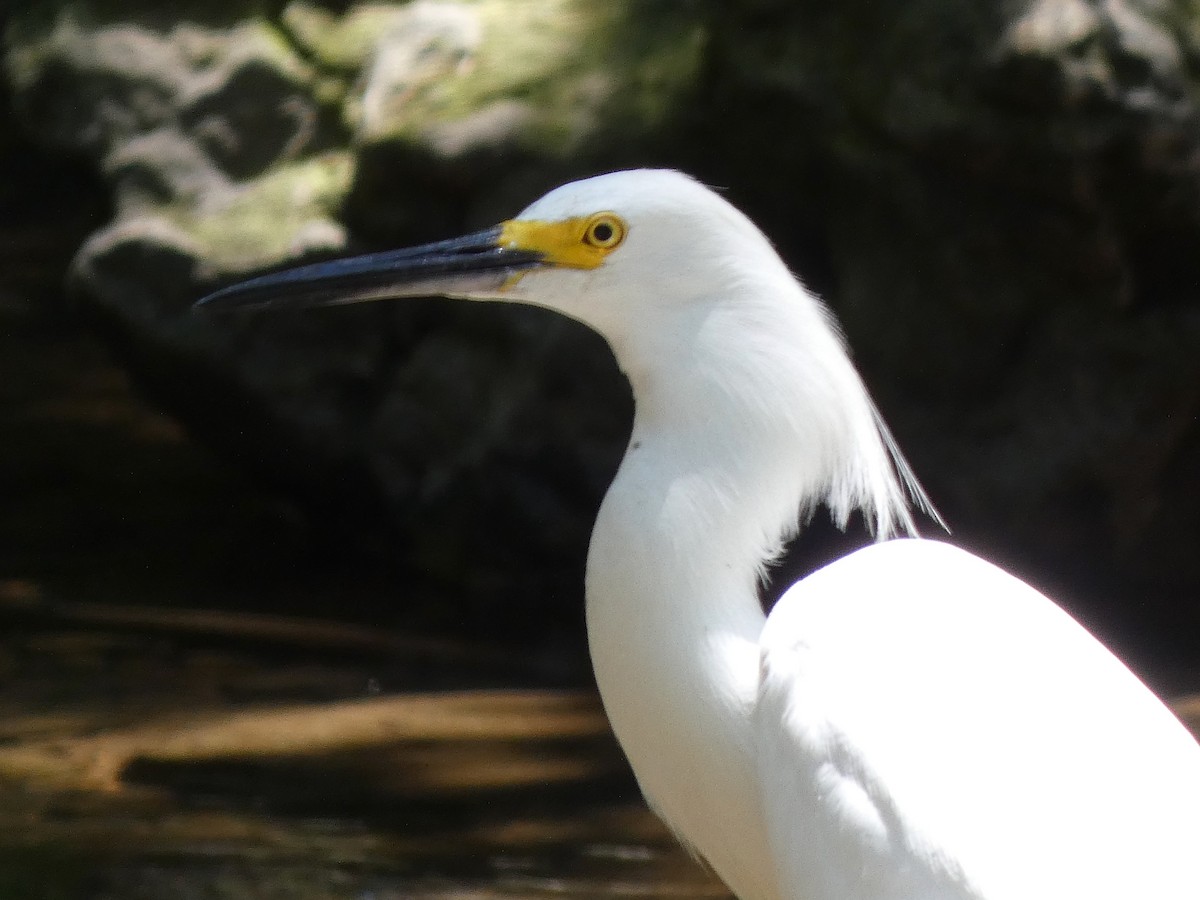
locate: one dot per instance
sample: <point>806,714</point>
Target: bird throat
<point>673,626</point>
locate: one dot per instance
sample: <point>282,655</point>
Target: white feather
<point>912,723</point>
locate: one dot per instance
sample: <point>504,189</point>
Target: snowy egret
<point>910,722</point>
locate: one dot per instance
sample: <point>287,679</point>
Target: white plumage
<point>910,723</point>
<point>949,732</point>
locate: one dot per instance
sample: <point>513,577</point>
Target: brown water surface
<point>136,763</point>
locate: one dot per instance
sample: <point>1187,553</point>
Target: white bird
<point>910,722</point>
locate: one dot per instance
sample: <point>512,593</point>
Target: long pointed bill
<point>474,264</point>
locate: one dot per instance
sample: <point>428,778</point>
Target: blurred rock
<point>467,442</point>
<point>1001,201</point>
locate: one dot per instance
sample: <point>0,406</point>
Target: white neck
<point>726,454</point>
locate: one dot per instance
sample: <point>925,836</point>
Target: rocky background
<point>1000,201</point>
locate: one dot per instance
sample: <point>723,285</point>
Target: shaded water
<point>138,763</point>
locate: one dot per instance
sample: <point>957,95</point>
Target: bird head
<point>613,251</point>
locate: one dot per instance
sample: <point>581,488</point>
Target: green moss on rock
<point>340,43</point>
<point>562,71</point>
<point>289,210</point>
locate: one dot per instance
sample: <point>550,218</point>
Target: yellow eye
<point>604,231</point>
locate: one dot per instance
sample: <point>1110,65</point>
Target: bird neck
<point>673,626</point>
<point>745,419</point>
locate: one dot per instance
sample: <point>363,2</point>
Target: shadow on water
<point>134,766</point>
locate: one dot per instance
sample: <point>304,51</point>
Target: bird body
<point>942,730</point>
<point>910,723</point>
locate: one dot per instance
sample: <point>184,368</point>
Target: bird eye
<point>604,231</point>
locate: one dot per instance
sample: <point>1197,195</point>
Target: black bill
<point>473,264</point>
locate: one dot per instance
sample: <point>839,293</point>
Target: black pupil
<point>602,232</point>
